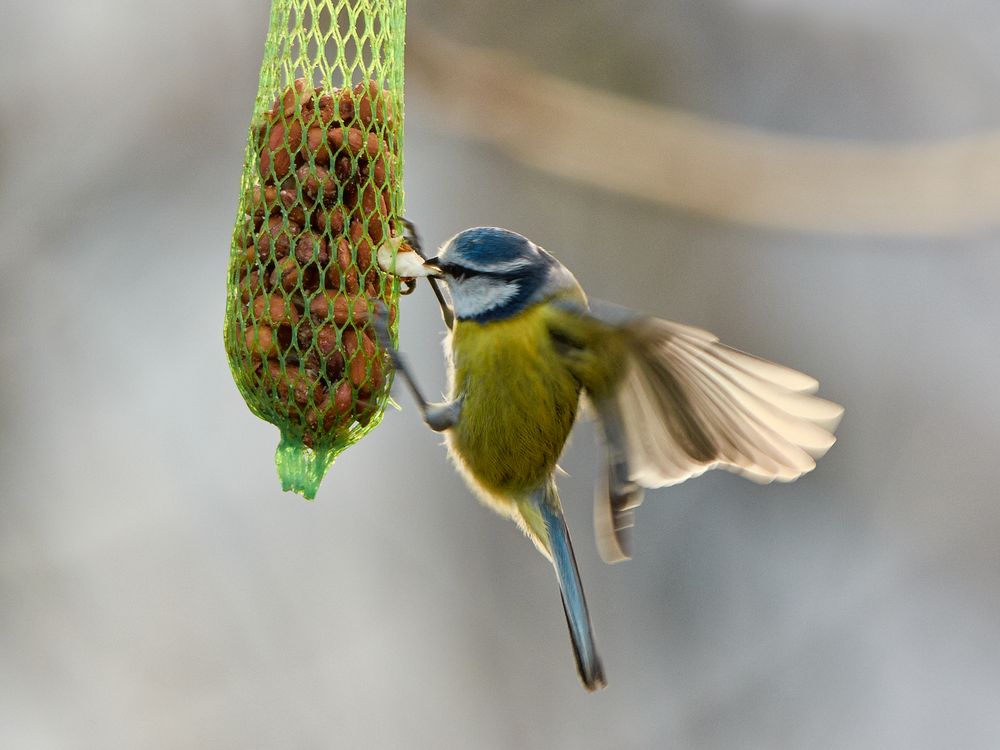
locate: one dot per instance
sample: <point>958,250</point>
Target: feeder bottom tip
<point>300,468</point>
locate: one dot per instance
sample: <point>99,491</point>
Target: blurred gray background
<point>157,590</point>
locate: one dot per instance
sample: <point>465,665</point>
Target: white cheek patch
<point>476,295</point>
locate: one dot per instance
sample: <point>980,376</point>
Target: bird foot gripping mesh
<point>321,192</point>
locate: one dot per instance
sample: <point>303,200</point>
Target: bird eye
<point>456,271</point>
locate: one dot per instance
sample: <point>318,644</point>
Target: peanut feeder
<point>321,195</point>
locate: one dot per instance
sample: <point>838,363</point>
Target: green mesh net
<point>321,191</point>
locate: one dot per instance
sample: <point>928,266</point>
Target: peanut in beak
<point>395,256</point>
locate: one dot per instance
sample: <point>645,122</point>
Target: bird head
<point>494,273</point>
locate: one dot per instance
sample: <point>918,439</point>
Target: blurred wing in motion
<point>688,404</point>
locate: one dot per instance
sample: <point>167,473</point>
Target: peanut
<point>273,241</point>
<point>357,142</point>
<point>295,97</point>
<point>338,307</point>
<point>317,182</point>
<point>260,339</point>
<point>274,309</point>
<point>326,108</point>
<point>372,104</point>
<point>332,220</point>
<point>311,247</point>
<point>316,146</point>
<point>285,274</point>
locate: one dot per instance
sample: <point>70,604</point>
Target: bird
<point>528,351</point>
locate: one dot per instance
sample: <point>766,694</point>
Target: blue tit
<point>670,400</point>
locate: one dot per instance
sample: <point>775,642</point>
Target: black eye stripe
<point>456,271</point>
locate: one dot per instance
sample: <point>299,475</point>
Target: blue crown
<point>484,247</point>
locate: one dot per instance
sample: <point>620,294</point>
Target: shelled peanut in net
<point>327,170</point>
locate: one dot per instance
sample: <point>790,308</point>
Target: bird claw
<point>411,237</point>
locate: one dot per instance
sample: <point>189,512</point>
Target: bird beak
<point>397,257</point>
<point>434,267</point>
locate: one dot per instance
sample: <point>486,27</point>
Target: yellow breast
<point>519,402</point>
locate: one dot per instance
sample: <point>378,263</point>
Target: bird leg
<point>440,416</point>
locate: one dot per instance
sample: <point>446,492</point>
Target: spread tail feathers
<point>560,548</point>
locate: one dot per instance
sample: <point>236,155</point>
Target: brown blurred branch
<point>710,168</point>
